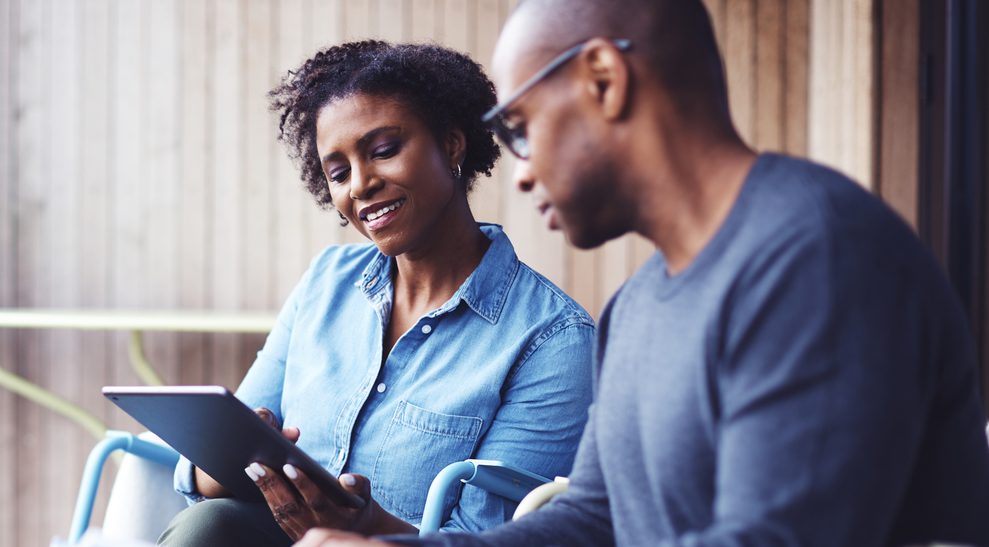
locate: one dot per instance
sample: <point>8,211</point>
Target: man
<point>790,368</point>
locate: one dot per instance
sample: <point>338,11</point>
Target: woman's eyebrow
<point>363,141</point>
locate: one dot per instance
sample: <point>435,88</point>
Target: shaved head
<point>675,37</point>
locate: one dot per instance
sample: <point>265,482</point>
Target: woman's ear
<point>456,147</point>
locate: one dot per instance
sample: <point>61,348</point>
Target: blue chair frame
<point>493,476</point>
<point>114,440</point>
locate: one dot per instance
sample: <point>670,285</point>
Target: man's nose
<point>522,176</point>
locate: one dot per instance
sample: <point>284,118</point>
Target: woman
<point>431,345</point>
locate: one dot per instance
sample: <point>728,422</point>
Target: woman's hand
<point>209,487</point>
<point>298,504</point>
<point>322,537</point>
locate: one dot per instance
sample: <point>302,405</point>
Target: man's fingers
<point>324,537</point>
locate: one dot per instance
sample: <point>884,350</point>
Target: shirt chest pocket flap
<point>419,444</point>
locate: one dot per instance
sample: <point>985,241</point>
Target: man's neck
<point>690,188</point>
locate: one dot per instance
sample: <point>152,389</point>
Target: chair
<point>142,501</point>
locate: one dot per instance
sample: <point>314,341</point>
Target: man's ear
<point>455,144</point>
<point>607,74</point>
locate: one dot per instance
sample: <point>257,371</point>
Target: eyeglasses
<point>514,136</point>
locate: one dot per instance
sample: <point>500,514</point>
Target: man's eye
<point>515,128</point>
<point>339,175</point>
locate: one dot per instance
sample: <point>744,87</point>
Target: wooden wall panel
<point>141,171</point>
<point>842,81</point>
<point>63,245</point>
<point>9,434</point>
<point>899,104</point>
<point>95,197</point>
<point>192,186</point>
<point>32,359</point>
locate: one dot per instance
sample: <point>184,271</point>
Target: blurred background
<point>139,171</point>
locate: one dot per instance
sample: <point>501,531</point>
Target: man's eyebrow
<point>364,140</point>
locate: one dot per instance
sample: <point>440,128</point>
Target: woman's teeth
<point>381,212</point>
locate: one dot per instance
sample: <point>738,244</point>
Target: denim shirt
<point>501,371</point>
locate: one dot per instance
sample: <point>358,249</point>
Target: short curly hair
<point>445,88</point>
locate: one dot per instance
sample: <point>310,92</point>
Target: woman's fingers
<point>269,417</point>
<point>358,485</point>
<point>311,494</point>
<point>291,433</point>
<point>282,499</point>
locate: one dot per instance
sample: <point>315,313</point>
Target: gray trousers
<point>224,521</point>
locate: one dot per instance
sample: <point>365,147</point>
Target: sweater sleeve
<point>822,394</point>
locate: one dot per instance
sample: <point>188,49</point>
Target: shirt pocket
<point>418,445</point>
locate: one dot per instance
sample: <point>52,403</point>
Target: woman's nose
<point>363,184</point>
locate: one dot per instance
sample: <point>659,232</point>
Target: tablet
<point>219,434</point>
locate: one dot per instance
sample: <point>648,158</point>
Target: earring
<point>343,219</point>
<point>455,171</point>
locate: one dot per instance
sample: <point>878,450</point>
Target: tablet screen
<point>221,435</point>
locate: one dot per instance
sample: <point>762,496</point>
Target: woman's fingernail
<point>250,474</point>
<point>290,471</point>
<point>348,480</point>
<point>258,470</point>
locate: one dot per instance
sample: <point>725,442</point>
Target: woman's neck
<point>426,278</point>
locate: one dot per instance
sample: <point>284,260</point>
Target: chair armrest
<point>493,476</point>
<point>115,440</point>
<point>540,496</point>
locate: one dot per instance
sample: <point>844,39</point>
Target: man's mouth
<point>378,213</point>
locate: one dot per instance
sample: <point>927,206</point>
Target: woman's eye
<point>385,151</point>
<point>339,175</point>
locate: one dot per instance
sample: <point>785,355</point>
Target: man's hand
<point>322,537</point>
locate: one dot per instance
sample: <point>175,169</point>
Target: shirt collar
<point>484,291</point>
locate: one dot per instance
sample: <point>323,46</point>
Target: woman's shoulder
<point>539,294</point>
<point>343,262</point>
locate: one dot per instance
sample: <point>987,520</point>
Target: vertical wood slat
<point>194,204</point>
<point>94,212</point>
<point>62,437</point>
<point>32,358</point>
<point>129,206</point>
<point>739,53</point>
<point>9,434</point>
<point>841,79</point>
<point>164,256</point>
<point>486,198</point>
<point>768,35</point>
<point>795,44</point>
<point>322,227</point>
<point>899,105</point>
<point>227,141</point>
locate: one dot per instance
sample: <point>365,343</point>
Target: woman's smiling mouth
<point>377,217</point>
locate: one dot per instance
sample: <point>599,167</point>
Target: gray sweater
<point>808,380</point>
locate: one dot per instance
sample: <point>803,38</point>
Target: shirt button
<point>426,329</point>
<point>340,455</point>
<point>381,387</point>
